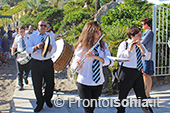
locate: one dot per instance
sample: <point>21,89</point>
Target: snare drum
<point>63,55</point>
<point>23,58</point>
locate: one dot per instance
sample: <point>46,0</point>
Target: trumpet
<point>85,56</point>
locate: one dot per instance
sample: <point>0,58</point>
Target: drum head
<point>59,50</point>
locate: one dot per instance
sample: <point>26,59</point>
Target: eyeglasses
<point>43,25</point>
<point>48,26</point>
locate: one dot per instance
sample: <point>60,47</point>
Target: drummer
<point>41,67</point>
<point>20,44</point>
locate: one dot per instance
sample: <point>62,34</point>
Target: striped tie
<point>42,37</point>
<point>96,67</point>
<point>139,58</point>
<point>23,44</point>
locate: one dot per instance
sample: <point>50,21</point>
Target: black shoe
<point>147,109</point>
<point>26,81</point>
<point>21,88</point>
<point>49,104</point>
<point>38,108</point>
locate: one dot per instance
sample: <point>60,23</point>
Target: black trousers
<point>42,70</point>
<point>131,78</point>
<point>23,72</point>
<point>89,92</point>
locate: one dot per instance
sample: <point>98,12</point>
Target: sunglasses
<point>48,26</point>
<point>43,25</point>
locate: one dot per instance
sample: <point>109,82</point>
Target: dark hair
<point>50,26</point>
<point>22,27</point>
<point>31,25</point>
<point>133,31</point>
<point>147,21</point>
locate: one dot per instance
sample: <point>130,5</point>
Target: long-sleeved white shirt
<point>18,42</point>
<point>85,73</point>
<point>35,39</point>
<point>123,53</point>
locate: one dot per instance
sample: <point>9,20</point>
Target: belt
<point>42,60</point>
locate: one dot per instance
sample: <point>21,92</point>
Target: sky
<point>159,1</point>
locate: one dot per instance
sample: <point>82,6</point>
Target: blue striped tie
<point>96,67</point>
<point>42,37</point>
<point>23,44</point>
<point>139,58</point>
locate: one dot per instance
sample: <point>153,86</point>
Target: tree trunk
<point>97,5</point>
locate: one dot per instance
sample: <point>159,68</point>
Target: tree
<point>97,5</point>
<point>37,6</point>
<point>11,2</point>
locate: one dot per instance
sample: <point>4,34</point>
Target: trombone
<point>85,56</point>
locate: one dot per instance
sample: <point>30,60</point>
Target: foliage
<point>19,7</point>
<point>113,39</point>
<point>14,10</point>
<point>5,7</point>
<point>55,16</point>
<point>11,2</point>
<point>72,3</point>
<point>36,6</point>
<point>117,22</point>
<point>26,20</point>
<point>74,17</point>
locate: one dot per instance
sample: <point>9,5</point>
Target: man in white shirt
<point>41,67</point>
<point>31,29</point>
<point>19,44</point>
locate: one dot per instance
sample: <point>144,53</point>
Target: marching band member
<point>131,74</point>
<point>90,78</point>
<point>41,67</point>
<point>20,44</point>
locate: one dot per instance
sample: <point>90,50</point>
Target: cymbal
<point>46,46</point>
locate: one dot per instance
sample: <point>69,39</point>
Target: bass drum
<point>63,54</point>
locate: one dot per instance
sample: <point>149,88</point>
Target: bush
<point>117,22</point>
<point>55,16</point>
<point>74,17</point>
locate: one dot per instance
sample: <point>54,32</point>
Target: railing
<point>161,29</point>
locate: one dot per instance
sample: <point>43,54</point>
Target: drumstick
<point>17,51</point>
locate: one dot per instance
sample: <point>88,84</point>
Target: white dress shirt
<point>14,34</point>
<point>18,42</point>
<point>123,53</point>
<point>35,39</point>
<point>85,73</point>
<point>51,33</point>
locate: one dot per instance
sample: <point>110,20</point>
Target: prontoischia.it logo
<point>109,102</point>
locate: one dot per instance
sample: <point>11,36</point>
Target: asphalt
<point>24,102</point>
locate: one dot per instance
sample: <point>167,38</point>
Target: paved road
<point>24,102</point>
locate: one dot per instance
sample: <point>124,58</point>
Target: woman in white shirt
<point>90,74</point>
<point>131,75</point>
